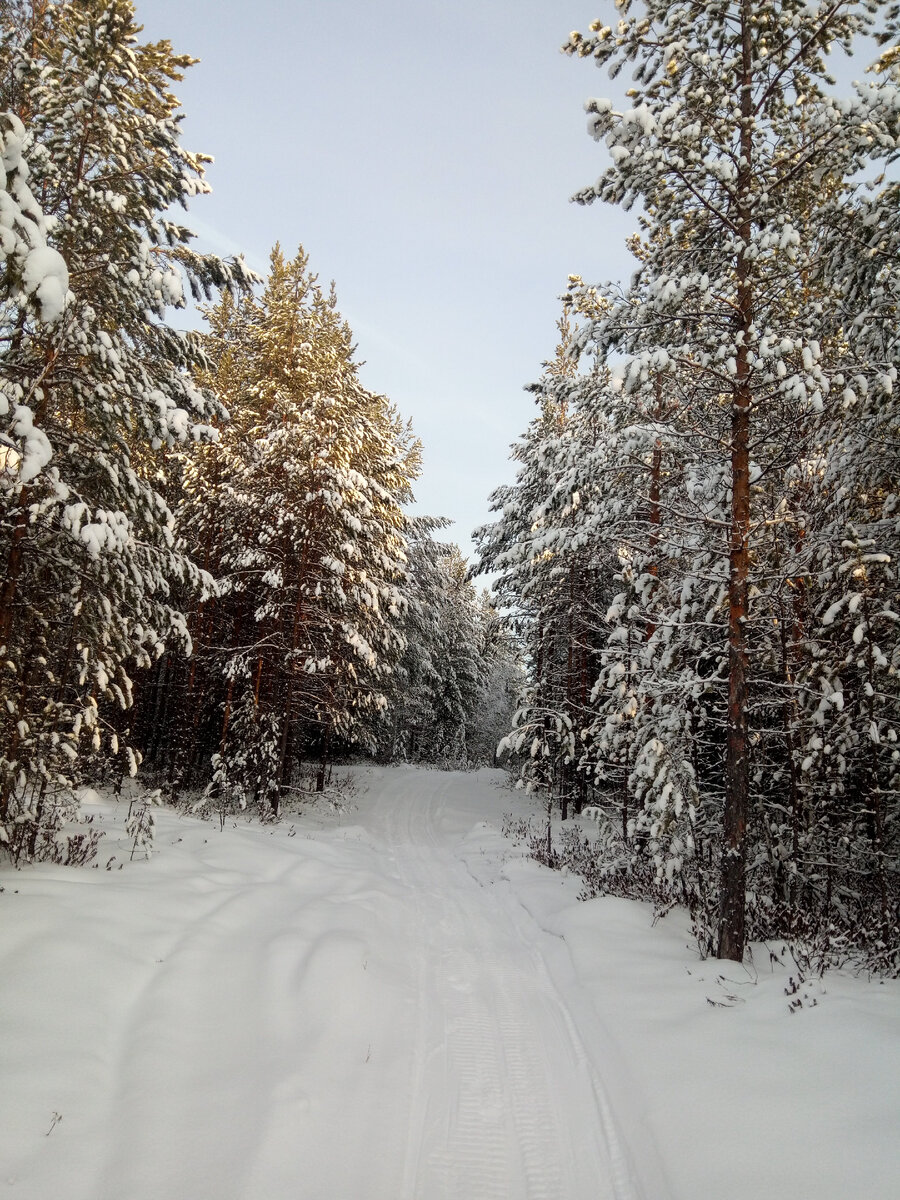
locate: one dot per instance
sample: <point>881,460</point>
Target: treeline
<point>701,547</point>
<point>207,564</point>
<point>330,618</point>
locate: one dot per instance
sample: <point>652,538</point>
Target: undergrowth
<point>817,937</point>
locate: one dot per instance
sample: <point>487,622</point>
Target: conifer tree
<point>103,387</point>
<point>453,691</point>
<point>728,484</point>
<point>296,510</point>
<point>552,575</point>
<point>730,125</point>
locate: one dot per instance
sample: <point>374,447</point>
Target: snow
<point>36,448</point>
<point>23,228</point>
<point>385,1000</point>
<point>12,145</point>
<point>46,277</point>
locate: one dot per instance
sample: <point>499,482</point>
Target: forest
<point>211,579</point>
<point>208,569</point>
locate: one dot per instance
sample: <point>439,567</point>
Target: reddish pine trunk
<point>732,918</point>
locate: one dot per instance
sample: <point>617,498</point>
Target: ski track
<point>498,1056</point>
<point>352,1017</point>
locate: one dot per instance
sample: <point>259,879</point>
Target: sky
<point>423,154</point>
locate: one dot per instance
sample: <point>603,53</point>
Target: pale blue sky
<point>423,153</point>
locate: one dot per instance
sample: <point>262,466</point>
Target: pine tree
<point>86,539</point>
<point>717,495</point>
<point>553,577</point>
<point>296,510</point>
<point>729,129</point>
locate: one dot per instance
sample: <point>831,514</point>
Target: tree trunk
<point>732,918</point>
<point>654,514</point>
<point>323,760</point>
<point>13,569</point>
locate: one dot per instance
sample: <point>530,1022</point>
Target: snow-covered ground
<point>386,1002</point>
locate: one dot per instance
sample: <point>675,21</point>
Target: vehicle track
<point>507,1103</point>
<point>347,1015</point>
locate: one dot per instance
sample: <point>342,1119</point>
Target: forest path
<point>505,1100</point>
<point>354,1008</point>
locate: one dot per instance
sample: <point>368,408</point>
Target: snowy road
<point>363,1014</point>
<point>504,1099</point>
<point>387,1002</point>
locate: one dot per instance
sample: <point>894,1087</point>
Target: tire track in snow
<point>502,1102</point>
<point>508,1108</point>
<point>214,977</point>
<point>147,1071</point>
<point>622,1174</point>
<point>458,1138</point>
